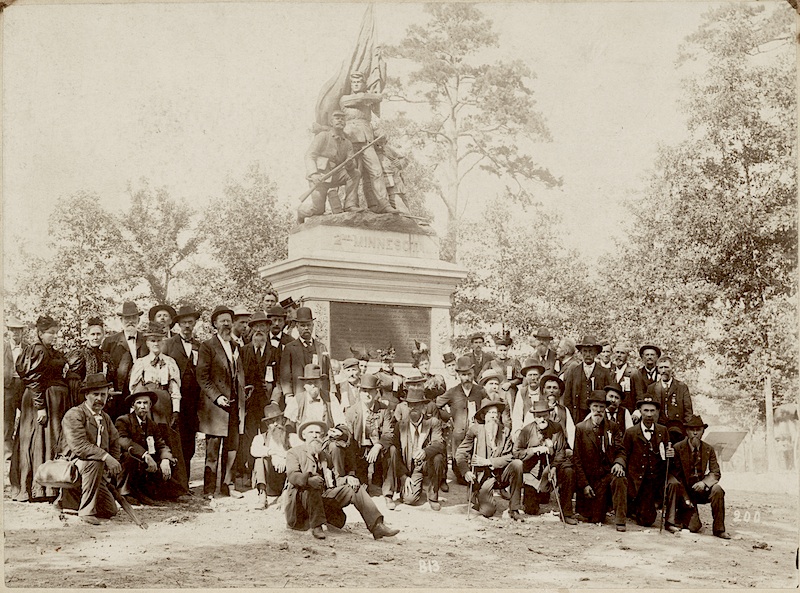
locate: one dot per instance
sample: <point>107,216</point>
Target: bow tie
<point>650,430</point>
<point>131,337</point>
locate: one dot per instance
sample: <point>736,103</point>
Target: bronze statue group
<point>580,424</point>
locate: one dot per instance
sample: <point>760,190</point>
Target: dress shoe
<point>444,487</point>
<point>262,503</point>
<point>516,516</point>
<point>387,210</point>
<point>570,520</point>
<point>672,528</point>
<point>695,524</point>
<point>318,533</point>
<point>91,520</point>
<point>390,504</point>
<point>381,530</point>
<point>580,518</point>
<point>621,528</point>
<point>233,492</point>
<point>435,505</point>
<point>723,535</point>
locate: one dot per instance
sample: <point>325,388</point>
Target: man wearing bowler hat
<point>184,349</point>
<point>221,412</point>
<point>542,352</point>
<point>422,444</point>
<point>647,374</point>
<point>269,448</point>
<point>450,373</point>
<point>694,479</point>
<point>124,348</point>
<point>163,314</point>
<point>582,379</point>
<point>147,460</point>
<point>485,458</point>
<point>673,397</point>
<point>303,351</point>
<point>313,496</point>
<point>599,465</point>
<point>463,400</point>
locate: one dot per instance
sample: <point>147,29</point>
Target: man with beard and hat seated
<point>422,445</point>
<point>269,448</point>
<point>542,446</point>
<point>147,461</point>
<point>598,450</point>
<point>645,448</point>
<point>313,497</point>
<point>485,458</point>
<point>694,479</point>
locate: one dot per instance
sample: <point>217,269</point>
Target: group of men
<point>316,435</point>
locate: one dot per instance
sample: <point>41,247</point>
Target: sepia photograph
<point>400,295</point>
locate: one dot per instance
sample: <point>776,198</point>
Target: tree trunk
<point>770,423</point>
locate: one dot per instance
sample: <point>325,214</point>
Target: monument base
<point>369,287</point>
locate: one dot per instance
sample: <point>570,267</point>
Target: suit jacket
<point>643,457</point>
<point>133,437</point>
<point>479,363</point>
<point>475,443</point>
<point>501,366</point>
<point>628,385</point>
<point>121,364</point>
<point>380,424</point>
<point>594,455</point>
<point>676,403</point>
<point>300,466</point>
<point>548,361</point>
<point>9,370</point>
<point>564,367</point>
<point>531,436</point>
<point>455,398</point>
<point>641,382</point>
<point>430,434</point>
<point>577,387</point>
<point>293,360</point>
<point>255,371</point>
<point>216,378</point>
<point>79,430</point>
<point>681,466</point>
<point>190,388</point>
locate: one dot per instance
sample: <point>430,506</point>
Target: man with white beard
<point>269,448</point>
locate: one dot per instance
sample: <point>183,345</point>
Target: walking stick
<point>126,506</point>
<point>555,491</point>
<point>664,499</point>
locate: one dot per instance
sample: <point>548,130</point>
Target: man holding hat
<point>673,397</point>
<point>371,424</point>
<point>124,348</point>
<point>614,409</point>
<point>485,458</point>
<point>645,449</point>
<point>422,444</point>
<point>147,461</point>
<point>479,357</point>
<point>463,400</point>
<point>390,381</point>
<point>582,379</point>
<point>221,412</point>
<point>163,314</point>
<point>12,384</point>
<point>647,374</point>
<point>542,447</point>
<point>313,497</point>
<point>599,464</point>
<point>268,449</point>
<point>303,351</point>
<point>184,349</point>
<point>542,352</point>
<point>92,440</point>
<point>694,479</point>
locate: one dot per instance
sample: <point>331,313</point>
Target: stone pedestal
<point>370,285</point>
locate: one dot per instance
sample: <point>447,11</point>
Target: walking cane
<point>126,506</point>
<point>664,499</point>
<point>555,491</point>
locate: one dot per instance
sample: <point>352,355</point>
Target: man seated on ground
<point>92,440</point>
<point>313,498</point>
<point>598,448</point>
<point>542,446</point>
<point>485,459</point>
<point>694,479</point>
<point>269,448</point>
<point>422,445</point>
<point>147,460</point>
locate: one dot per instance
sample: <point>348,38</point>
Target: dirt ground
<point>228,543</point>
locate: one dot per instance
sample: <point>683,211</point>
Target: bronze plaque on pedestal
<point>369,326</point>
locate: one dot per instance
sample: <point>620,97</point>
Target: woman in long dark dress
<point>42,369</point>
<point>88,360</point>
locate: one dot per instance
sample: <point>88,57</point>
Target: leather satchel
<point>58,473</point>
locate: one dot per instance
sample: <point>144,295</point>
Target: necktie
<point>156,361</point>
<point>99,420</point>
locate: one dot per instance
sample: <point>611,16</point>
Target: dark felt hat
<point>271,412</point>
<point>540,407</point>
<point>648,400</point>
<point>448,357</point>
<point>589,342</point>
<point>551,377</point>
<point>597,396</point>
<point>138,391</point>
<point>649,347</point>
<point>485,405</point>
<point>616,388</point>
<point>543,334</point>
<point>257,317</point>
<point>288,302</point>
<point>95,381</point>
<point>186,311</point>
<point>463,364</point>
<point>151,314</point>
<point>276,311</point>
<point>44,322</point>
<point>305,425</point>
<point>490,374</point>
<point>695,422</point>
<point>531,363</point>
<point>241,311</point>
<point>304,314</point>
<point>504,341</point>
<point>415,387</point>
<point>311,372</point>
<point>369,382</point>
<point>219,310</point>
<point>129,308</point>
<point>476,336</point>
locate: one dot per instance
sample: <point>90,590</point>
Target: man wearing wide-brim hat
<point>598,448</point>
<point>582,379</point>
<point>543,353</point>
<point>422,444</point>
<point>305,350</point>
<point>614,409</point>
<point>124,348</point>
<point>163,314</point>
<point>527,394</point>
<point>464,400</point>
<point>694,479</point>
<point>542,447</point>
<point>268,449</point>
<point>647,374</point>
<point>485,458</point>
<point>490,381</point>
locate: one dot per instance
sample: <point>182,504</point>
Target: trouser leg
<point>213,444</point>
<point>486,502</point>
<point>675,497</point>
<point>389,461</point>
<point>129,475</point>
<point>351,190</point>
<point>565,479</point>
<point>341,459</point>
<point>619,497</point>
<point>369,512</point>
<point>313,504</point>
<point>188,445</point>
<point>96,500</point>
<point>434,469</point>
<point>260,471</point>
<point>314,205</point>
<point>412,490</point>
<point>717,498</point>
<point>512,475</point>
<point>530,500</point>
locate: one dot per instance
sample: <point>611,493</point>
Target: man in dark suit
<point>673,398</point>
<point>599,464</point>
<point>221,412</point>
<point>303,351</point>
<point>124,348</point>
<point>184,348</point>
<point>464,400</point>
<point>12,384</point>
<point>694,479</point>
<point>147,460</point>
<point>92,440</point>
<point>313,497</point>
<point>645,448</point>
<point>278,339</point>
<point>566,357</point>
<point>582,379</point>
<point>647,374</point>
<point>542,352</point>
<point>479,357</point>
